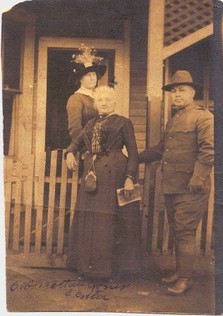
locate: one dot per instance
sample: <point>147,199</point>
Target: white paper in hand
<point>135,196</point>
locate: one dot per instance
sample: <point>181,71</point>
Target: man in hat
<point>187,155</point>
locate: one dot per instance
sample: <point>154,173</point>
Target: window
<point>12,47</point>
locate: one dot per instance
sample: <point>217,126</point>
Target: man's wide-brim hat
<point>181,77</point>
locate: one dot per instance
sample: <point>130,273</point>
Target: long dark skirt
<point>105,238</point>
<point>102,244</point>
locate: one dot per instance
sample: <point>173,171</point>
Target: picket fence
<point>40,195</point>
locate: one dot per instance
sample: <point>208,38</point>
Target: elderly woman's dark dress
<point>104,237</point>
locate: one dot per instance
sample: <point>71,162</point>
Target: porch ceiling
<point>185,17</point>
<point>84,18</point>
<point>81,8</point>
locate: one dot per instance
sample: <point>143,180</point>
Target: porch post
<point>155,68</point>
<point>25,127</point>
<point>126,69</point>
<point>154,94</point>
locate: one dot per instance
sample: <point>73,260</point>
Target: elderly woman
<point>105,238</point>
<point>86,73</point>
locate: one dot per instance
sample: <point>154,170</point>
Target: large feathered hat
<point>85,60</point>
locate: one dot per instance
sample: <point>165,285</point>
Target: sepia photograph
<point>111,111</point>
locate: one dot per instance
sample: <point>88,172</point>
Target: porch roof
<point>182,18</point>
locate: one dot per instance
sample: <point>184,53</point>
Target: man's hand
<point>71,161</point>
<point>196,185</point>
<point>128,187</point>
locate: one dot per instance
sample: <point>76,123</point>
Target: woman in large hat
<point>80,106</point>
<point>86,73</point>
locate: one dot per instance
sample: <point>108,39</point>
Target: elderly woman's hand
<point>71,161</point>
<point>128,187</point>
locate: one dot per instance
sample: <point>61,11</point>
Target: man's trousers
<point>184,213</point>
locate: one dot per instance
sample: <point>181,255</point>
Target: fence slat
<point>165,235</point>
<point>210,218</point>
<point>145,210</point>
<point>17,207</point>
<point>8,164</point>
<point>18,182</point>
<point>50,215</point>
<point>74,191</point>
<point>198,238</point>
<point>38,196</point>
<point>28,199</point>
<point>62,206</point>
<point>155,232</point>
<point>156,211</point>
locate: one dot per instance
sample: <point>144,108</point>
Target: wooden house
<point>142,42</point>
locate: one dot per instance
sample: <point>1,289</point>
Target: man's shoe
<point>182,285</point>
<point>170,278</point>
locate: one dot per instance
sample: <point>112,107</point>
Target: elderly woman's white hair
<point>105,90</point>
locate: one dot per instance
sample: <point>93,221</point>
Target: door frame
<point>121,72</point>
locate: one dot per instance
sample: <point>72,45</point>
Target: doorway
<point>59,89</point>
<point>53,89</point>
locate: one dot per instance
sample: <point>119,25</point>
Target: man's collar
<point>185,108</point>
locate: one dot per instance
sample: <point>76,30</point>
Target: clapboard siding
<point>141,129</point>
<point>138,98</point>
<point>135,81</point>
<point>137,112</point>
<point>138,89</point>
<point>141,144</point>
<point>139,120</point>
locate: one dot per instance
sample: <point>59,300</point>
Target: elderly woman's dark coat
<point>105,238</point>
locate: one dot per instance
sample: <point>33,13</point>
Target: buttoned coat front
<point>186,149</point>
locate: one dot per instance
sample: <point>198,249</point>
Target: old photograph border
<point>217,60</point>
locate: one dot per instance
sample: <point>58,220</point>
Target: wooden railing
<point>39,203</point>
<point>40,196</point>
